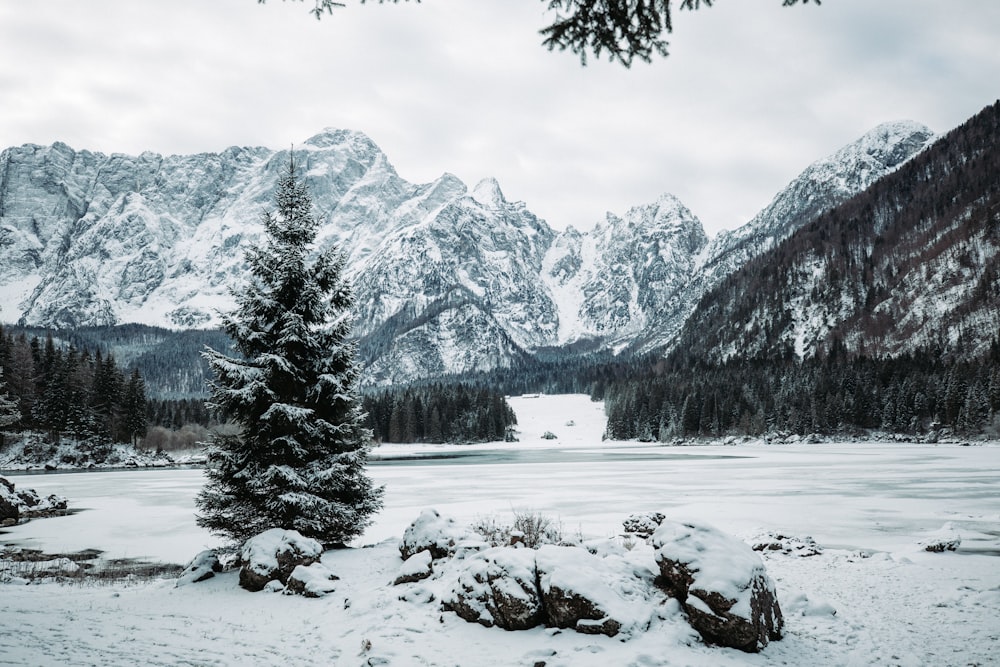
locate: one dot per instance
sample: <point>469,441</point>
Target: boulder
<point>721,583</point>
<point>589,594</point>
<point>202,567</point>
<point>434,533</point>
<point>311,581</point>
<point>415,568</point>
<point>498,587</point>
<point>273,554</point>
<point>10,503</point>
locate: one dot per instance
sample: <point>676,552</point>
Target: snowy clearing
<point>872,596</point>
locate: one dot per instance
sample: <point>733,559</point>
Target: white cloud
<point>751,93</point>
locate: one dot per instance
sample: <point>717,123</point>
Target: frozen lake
<point>862,496</point>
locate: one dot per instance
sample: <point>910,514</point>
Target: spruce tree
<point>9,414</point>
<point>134,421</point>
<point>298,461</point>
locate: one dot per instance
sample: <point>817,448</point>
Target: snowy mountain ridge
<point>446,280</point>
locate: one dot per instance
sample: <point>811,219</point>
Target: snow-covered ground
<point>868,506</point>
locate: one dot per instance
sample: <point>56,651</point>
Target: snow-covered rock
<point>790,545</point>
<point>202,567</point>
<point>16,504</point>
<point>273,555</point>
<point>434,533</point>
<point>311,581</point>
<point>498,588</point>
<point>592,595</point>
<point>415,568</point>
<point>722,584</point>
<point>10,503</point>
<point>946,538</point>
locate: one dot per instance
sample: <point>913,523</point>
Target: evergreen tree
<point>9,414</point>
<point>299,459</point>
<point>134,408</point>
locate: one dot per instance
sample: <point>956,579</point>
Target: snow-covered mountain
<point>610,282</point>
<point>822,186</point>
<point>446,280</point>
<point>911,264</point>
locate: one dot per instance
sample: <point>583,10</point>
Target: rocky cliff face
<point>610,282</point>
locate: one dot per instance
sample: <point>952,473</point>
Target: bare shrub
<point>156,439</point>
<point>162,439</point>
<point>537,528</point>
<point>530,528</point>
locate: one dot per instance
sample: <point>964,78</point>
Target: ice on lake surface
<point>867,505</point>
<point>869,496</point>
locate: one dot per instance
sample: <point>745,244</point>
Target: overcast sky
<point>750,95</point>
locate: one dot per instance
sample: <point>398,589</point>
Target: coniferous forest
<point>916,394</point>
<point>439,413</point>
<point>66,391</point>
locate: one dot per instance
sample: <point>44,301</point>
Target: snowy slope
<point>910,264</point>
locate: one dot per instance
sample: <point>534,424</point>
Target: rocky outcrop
<point>721,583</point>
<point>605,586</point>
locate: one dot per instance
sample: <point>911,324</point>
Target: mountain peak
<point>332,137</point>
<point>487,192</point>
<point>892,143</point>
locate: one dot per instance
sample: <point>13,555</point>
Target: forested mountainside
<point>912,263</point>
<point>883,313</point>
<point>820,187</point>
